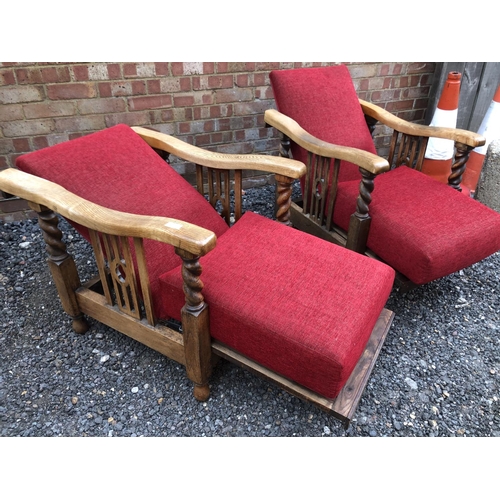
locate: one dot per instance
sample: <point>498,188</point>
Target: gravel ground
<point>438,373</point>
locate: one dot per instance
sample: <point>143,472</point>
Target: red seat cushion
<point>422,228</point>
<point>324,102</point>
<point>117,169</point>
<point>294,303</point>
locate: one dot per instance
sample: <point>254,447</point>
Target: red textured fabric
<point>421,227</point>
<point>324,102</point>
<point>117,169</point>
<point>294,303</point>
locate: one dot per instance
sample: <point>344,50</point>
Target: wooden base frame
<point>344,405</point>
<point>170,343</point>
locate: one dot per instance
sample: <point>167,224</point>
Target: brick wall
<point>215,105</point>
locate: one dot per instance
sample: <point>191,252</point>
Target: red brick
<point>17,94</point>
<point>219,82</point>
<point>161,68</point>
<point>224,124</point>
<point>81,73</point>
<point>6,146</point>
<point>208,67</point>
<point>233,95</point>
<point>184,128</point>
<point>264,93</point>
<point>71,91</point>
<point>222,67</point>
<point>7,77</point>
<point>114,71</point>
<point>27,128</point>
<point>251,107</point>
<point>183,101</point>
<point>235,148</point>
<point>28,76</point>
<point>153,86</point>
<point>177,68</point>
<point>97,106</point>
<point>201,140</point>
<point>260,79</point>
<point>185,84</point>
<point>9,112</point>
<point>129,69</point>
<point>399,106</point>
<point>132,119</point>
<point>122,88</point>
<point>149,102</point>
<point>21,145</point>
<point>266,66</point>
<point>242,80</point>
<point>79,123</point>
<point>48,109</point>
<point>201,112</point>
<point>221,111</point>
<point>55,75</point>
<point>240,67</point>
<point>40,142</point>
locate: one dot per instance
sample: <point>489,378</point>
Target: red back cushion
<point>324,102</point>
<point>117,169</point>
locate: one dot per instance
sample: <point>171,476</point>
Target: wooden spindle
<point>61,265</point>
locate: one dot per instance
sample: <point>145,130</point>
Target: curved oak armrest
<point>368,161</point>
<point>266,163</point>
<point>180,234</point>
<point>458,135</point>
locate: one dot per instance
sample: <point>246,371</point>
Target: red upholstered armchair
<point>387,208</point>
<point>249,293</point>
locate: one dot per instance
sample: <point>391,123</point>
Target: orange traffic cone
<point>439,153</point>
<point>490,130</point>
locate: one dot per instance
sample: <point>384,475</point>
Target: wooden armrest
<point>368,161</point>
<point>266,163</point>
<point>458,135</point>
<point>180,234</point>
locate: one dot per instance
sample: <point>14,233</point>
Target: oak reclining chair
<point>422,228</point>
<point>254,293</point>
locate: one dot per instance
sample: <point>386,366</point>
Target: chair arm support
<point>265,163</point>
<point>368,161</point>
<point>385,117</point>
<point>180,234</point>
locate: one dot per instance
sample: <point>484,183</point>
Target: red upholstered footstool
<point>273,318</point>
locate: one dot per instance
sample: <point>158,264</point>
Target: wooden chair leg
<point>61,265</point>
<point>195,327</point>
<point>359,225</point>
<point>283,199</point>
<point>462,152</point>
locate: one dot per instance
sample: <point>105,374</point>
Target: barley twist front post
<point>61,265</point>
<point>195,326</point>
<point>462,152</point>
<point>283,199</point>
<point>359,225</point>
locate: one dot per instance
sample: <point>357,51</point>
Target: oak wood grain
<point>180,234</point>
<point>392,121</point>
<point>369,161</point>
<point>224,161</point>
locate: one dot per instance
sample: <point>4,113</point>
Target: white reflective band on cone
<point>442,149</point>
<point>490,127</point>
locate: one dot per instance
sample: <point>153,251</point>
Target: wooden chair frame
<point>407,147</point>
<point>120,296</point>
